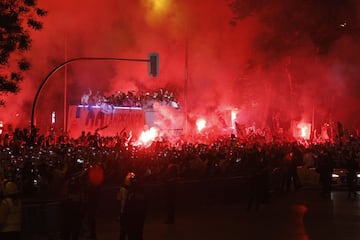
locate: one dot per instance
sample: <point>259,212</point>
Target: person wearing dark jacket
<point>10,213</point>
<point>352,169</point>
<point>170,182</point>
<point>72,208</point>
<point>132,209</point>
<point>325,167</point>
<point>258,184</point>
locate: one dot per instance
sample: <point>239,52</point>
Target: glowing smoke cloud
<point>219,57</point>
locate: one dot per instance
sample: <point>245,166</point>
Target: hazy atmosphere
<point>210,63</point>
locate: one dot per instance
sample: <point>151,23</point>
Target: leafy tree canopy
<point>18,18</point>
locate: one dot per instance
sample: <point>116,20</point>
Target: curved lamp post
<point>151,60</point>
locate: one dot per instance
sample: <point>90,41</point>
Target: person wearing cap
<point>10,213</point>
<point>132,209</point>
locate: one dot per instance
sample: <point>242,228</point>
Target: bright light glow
<point>304,130</point>
<point>53,118</point>
<point>200,124</point>
<point>148,136</point>
<point>156,10</point>
<point>335,175</point>
<point>1,126</point>
<point>233,117</point>
<point>158,6</point>
<point>358,175</point>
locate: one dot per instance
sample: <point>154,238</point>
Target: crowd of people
<point>67,168</point>
<point>130,99</point>
<point>34,163</point>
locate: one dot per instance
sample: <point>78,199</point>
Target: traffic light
<point>153,64</point>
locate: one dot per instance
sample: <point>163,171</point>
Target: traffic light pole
<point>150,61</point>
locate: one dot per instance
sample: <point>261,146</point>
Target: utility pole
<point>186,80</point>
<point>65,88</point>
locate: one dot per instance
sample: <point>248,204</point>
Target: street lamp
<point>153,61</point>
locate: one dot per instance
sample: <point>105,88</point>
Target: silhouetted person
<point>292,177</point>
<point>85,98</point>
<point>170,182</point>
<point>258,185</point>
<point>297,160</point>
<point>72,209</point>
<point>325,167</point>
<point>132,209</point>
<point>91,199</point>
<point>352,168</point>
<point>10,213</point>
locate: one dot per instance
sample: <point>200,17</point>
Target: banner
<point>107,120</point>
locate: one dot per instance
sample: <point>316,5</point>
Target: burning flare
<point>148,136</point>
<point>200,124</point>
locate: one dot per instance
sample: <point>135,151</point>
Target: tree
<point>18,18</point>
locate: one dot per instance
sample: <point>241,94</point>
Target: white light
<point>53,117</point>
<point>233,117</point>
<point>97,106</point>
<point>335,175</point>
<point>148,136</point>
<point>200,124</point>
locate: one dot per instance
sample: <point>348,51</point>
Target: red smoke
<point>195,40</point>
